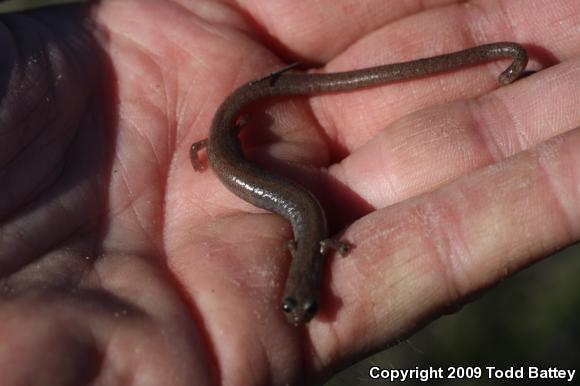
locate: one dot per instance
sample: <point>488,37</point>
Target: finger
<point>43,102</point>
<point>429,148</point>
<point>126,312</point>
<point>351,119</point>
<point>318,31</point>
<point>414,259</point>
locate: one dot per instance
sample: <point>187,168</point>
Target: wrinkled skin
<point>121,265</point>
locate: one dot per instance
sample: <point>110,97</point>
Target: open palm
<point>121,265</point>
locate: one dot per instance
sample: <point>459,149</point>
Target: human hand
<point>127,266</point>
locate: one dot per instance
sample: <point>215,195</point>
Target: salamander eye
<point>310,307</point>
<point>288,305</point>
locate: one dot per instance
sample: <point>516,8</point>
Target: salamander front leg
<point>341,247</point>
<point>291,246</point>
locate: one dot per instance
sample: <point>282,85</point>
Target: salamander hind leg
<point>194,154</point>
<point>342,247</point>
<point>198,146</point>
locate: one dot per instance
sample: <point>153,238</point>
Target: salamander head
<point>299,310</point>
